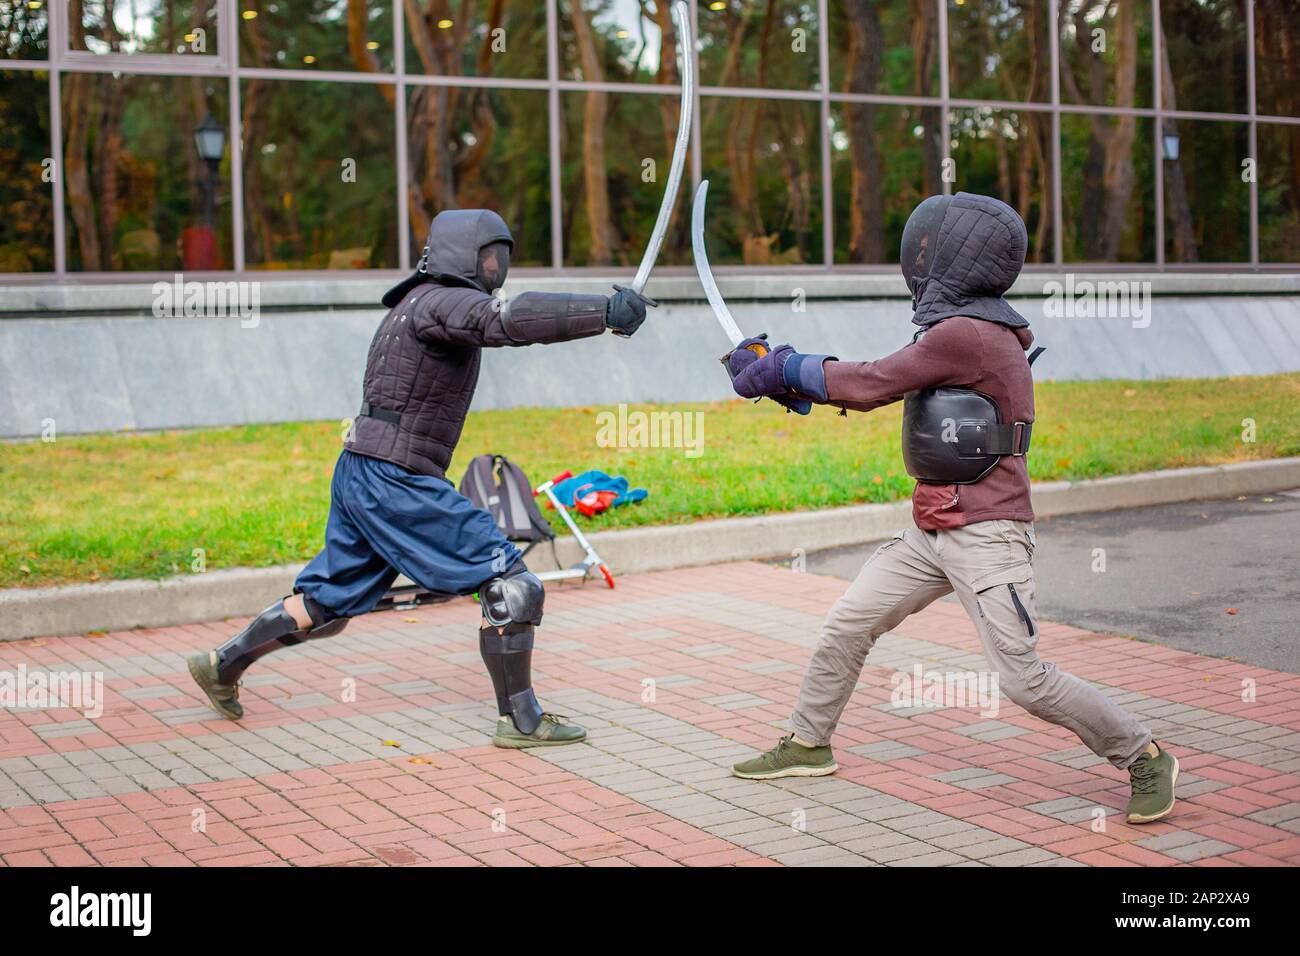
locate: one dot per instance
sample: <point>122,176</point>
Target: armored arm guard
<point>544,317</point>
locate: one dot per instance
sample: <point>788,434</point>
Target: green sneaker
<point>553,731</point>
<point>224,698</point>
<point>1153,781</point>
<point>788,759</point>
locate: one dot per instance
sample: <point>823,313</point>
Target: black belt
<point>383,414</point>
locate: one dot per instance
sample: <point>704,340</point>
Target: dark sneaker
<point>224,698</point>
<point>1153,781</point>
<point>788,759</point>
<point>553,731</point>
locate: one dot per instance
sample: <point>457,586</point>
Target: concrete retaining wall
<point>129,370</point>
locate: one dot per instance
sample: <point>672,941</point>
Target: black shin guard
<point>272,629</point>
<point>508,654</point>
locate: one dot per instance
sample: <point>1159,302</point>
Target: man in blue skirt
<point>392,509</point>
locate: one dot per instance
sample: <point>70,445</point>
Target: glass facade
<point>1128,133</point>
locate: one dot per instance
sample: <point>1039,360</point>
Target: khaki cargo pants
<point>989,565</point>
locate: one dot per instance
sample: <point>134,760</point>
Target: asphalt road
<point>1171,575</point>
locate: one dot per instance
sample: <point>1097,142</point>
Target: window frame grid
<point>226,62</point>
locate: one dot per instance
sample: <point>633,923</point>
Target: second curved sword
<point>719,304</point>
<point>686,45</point>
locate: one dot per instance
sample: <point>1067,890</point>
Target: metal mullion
<point>227,45</point>
<point>1088,108</point>
<point>883,99</point>
<point>553,131</point>
<point>616,86</point>
<point>229,8</point>
<point>25,66</point>
<point>1011,105</point>
<point>1157,69</point>
<point>400,120</point>
<point>1253,135</point>
<point>316,76</point>
<point>54,36</point>
<point>96,65</point>
<point>82,62</point>
<point>945,97</point>
<point>1054,58</point>
<point>1285,120</point>
<point>1213,117</point>
<point>741,92</point>
<point>824,140</point>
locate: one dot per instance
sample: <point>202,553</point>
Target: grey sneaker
<point>224,698</point>
<point>788,759</point>
<point>553,731</point>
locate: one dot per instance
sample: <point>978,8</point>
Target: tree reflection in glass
<point>143,26</point>
<point>999,50</point>
<point>480,148</point>
<point>476,37</point>
<point>134,187</point>
<point>1006,153</point>
<point>764,163</point>
<point>762,44</point>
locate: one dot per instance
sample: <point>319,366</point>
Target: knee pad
<point>513,599</point>
<point>323,623</point>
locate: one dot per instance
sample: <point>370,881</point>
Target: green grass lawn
<point>138,505</point>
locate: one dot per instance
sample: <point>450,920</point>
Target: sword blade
<point>711,292</point>
<point>685,44</point>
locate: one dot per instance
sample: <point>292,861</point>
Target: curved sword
<point>686,44</point>
<point>719,304</point>
<point>711,292</point>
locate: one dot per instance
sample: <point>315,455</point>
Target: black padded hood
<point>451,250</point>
<point>960,254</point>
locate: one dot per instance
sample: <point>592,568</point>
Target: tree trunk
<point>78,103</point>
<point>925,48</point>
<point>1118,177</point>
<point>862,75</point>
<point>595,183</point>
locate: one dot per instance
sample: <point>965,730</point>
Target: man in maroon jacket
<point>968,412</point>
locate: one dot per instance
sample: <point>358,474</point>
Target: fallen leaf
<point>417,760</point>
<point>1267,501</point>
<point>411,620</point>
<point>1232,610</point>
<point>1130,392</point>
<point>36,643</point>
<point>392,743</point>
<point>24,569</point>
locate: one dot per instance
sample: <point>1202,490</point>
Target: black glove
<point>626,311</point>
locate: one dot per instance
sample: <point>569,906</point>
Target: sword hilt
<point>800,406</point>
<point>644,298</point>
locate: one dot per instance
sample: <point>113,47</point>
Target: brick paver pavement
<point>372,747</point>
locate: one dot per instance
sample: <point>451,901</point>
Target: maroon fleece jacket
<point>956,352</point>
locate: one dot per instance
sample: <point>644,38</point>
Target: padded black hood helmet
<point>960,255</point>
<point>453,253</point>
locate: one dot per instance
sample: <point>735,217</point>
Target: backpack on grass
<point>500,487</point>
